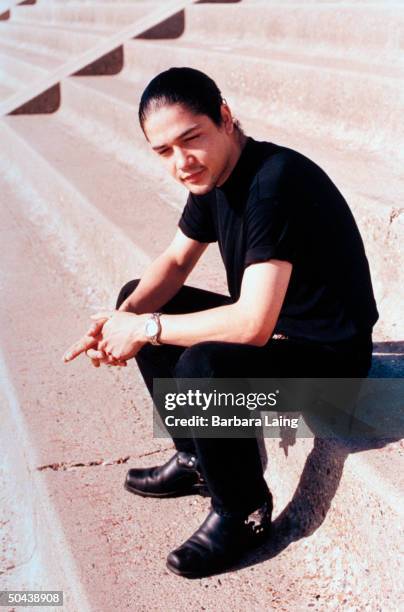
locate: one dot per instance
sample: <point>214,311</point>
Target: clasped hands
<point>113,338</point>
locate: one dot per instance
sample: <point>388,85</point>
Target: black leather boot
<point>179,476</point>
<point>220,541</point>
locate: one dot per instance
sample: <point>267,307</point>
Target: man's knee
<point>125,291</point>
<point>198,361</point>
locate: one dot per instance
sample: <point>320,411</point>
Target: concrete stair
<point>96,55</point>
<point>46,38</point>
<point>83,14</point>
<point>81,193</point>
<point>15,72</point>
<point>318,30</point>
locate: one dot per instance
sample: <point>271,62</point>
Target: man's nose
<point>183,159</point>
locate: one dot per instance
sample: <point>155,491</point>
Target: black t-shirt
<point>279,204</point>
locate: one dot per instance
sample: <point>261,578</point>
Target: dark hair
<point>187,86</point>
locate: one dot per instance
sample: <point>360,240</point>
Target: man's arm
<point>165,276</point>
<point>250,320</point>
<point>161,281</point>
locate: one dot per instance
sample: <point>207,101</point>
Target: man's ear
<point>227,117</point>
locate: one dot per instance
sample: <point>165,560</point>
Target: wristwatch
<point>153,329</point>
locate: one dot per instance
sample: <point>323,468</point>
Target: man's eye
<point>192,137</point>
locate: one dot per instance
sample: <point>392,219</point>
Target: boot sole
<point>193,490</point>
<point>214,572</point>
<point>226,567</point>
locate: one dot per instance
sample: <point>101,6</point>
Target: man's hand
<point>89,344</point>
<point>122,333</point>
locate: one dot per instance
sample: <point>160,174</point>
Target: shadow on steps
<point>324,466</point>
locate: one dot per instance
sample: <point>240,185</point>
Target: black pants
<point>232,466</point>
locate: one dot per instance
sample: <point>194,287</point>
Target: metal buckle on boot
<point>190,461</point>
<point>187,460</point>
<point>260,521</point>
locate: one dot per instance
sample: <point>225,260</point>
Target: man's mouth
<point>194,177</point>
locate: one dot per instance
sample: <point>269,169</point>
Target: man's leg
<point>159,362</point>
<point>226,360</point>
<point>232,466</point>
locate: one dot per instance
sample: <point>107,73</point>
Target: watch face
<point>151,328</point>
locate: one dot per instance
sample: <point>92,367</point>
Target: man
<point>301,301</point>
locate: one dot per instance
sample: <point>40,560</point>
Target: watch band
<point>155,340</point>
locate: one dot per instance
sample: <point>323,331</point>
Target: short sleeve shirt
<point>278,204</point>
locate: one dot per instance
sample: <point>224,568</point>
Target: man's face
<point>194,149</point>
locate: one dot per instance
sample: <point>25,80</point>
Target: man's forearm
<point>160,282</point>
<point>250,320</point>
<point>229,323</point>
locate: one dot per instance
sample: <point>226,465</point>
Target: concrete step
<point>121,208</point>
<point>54,424</point>
<point>352,550</point>
<point>278,27</point>
<point>114,101</point>
<point>38,57</point>
<point>8,82</point>
<point>344,97</point>
<point>47,39</point>
<point>66,27</point>
<point>115,14</point>
<point>15,73</point>
<point>326,30</point>
<point>59,184</point>
<point>5,8</point>
<point>102,53</point>
<point>86,3</point>
<point>359,63</point>
<point>22,65</point>
<point>149,3</point>
<point>362,111</point>
<point>51,210</point>
<point>365,3</point>
<point>5,90</point>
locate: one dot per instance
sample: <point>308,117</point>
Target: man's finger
<point>109,360</point>
<point>100,357</point>
<point>102,345</point>
<point>94,354</point>
<point>120,364</point>
<point>95,328</point>
<point>79,347</point>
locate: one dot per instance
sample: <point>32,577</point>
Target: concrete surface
<point>93,51</point>
<point>80,193</point>
<point>84,444</point>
